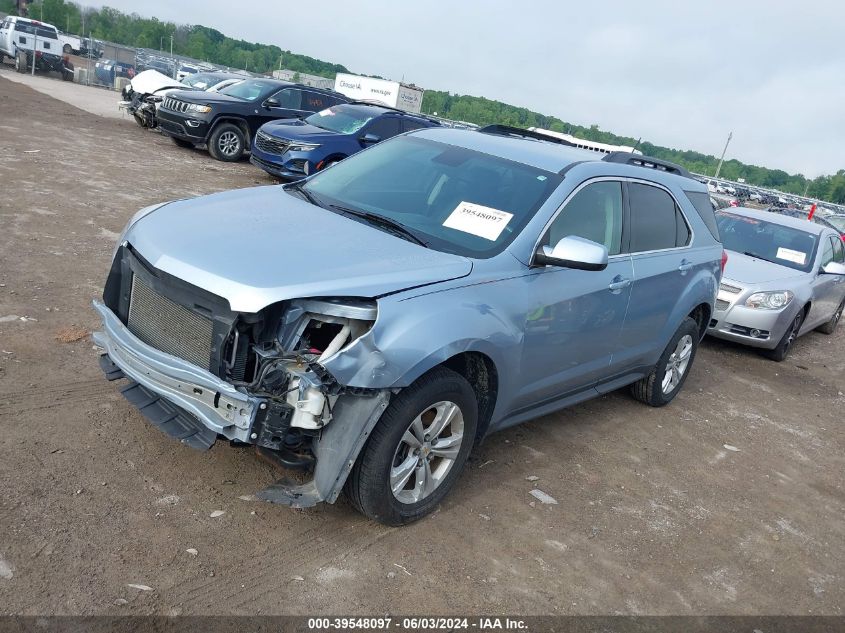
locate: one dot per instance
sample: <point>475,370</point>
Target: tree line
<point>203,43</point>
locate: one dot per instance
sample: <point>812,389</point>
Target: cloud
<point>679,74</point>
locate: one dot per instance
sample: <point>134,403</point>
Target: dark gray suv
<point>370,324</point>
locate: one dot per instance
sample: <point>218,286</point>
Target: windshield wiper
<point>391,225</point>
<point>756,256</point>
<point>299,187</point>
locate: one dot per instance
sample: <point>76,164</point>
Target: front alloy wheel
<point>427,452</point>
<point>417,449</point>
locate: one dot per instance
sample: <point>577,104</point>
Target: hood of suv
<point>259,246</point>
<point>296,130</point>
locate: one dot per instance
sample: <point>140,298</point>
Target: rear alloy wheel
<point>830,326</point>
<point>780,353</point>
<point>417,450</point>
<point>226,143</point>
<point>664,382</point>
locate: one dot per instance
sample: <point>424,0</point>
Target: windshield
<point>340,119</point>
<point>776,243</point>
<point>455,199</point>
<point>247,90</point>
<point>200,80</point>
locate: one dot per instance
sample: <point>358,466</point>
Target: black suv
<point>227,121</point>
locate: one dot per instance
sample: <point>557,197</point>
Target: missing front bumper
<point>216,404</point>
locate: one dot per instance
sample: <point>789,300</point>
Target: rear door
<point>663,262</point>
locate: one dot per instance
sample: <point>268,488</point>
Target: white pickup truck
<point>30,42</point>
<point>82,46</point>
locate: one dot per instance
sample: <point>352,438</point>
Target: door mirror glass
<point>573,252</point>
<point>272,102</point>
<point>833,268</point>
<point>369,139</point>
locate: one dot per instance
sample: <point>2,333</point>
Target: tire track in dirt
<point>310,549</point>
<point>51,396</point>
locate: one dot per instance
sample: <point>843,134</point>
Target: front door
<point>577,315</point>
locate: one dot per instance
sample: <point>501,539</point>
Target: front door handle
<point>685,266</point>
<point>619,283</point>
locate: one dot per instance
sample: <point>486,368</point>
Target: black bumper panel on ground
<point>166,416</point>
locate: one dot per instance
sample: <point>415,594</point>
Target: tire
<point>441,393</point>
<point>180,142</point>
<point>830,326</point>
<point>779,353</point>
<point>20,62</point>
<point>227,143</point>
<point>659,388</point>
<point>2,58</point>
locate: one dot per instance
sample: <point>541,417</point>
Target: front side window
<point>594,213</point>
<point>384,127</point>
<point>655,219</point>
<point>455,199</point>
<point>289,98</point>
<point>838,250</point>
<point>827,253</point>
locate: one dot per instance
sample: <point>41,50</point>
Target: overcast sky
<point>681,74</point>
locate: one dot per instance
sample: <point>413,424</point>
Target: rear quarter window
<point>701,201</point>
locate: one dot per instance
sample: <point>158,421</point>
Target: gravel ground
<point>729,501</point>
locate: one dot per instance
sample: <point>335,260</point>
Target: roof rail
<point>638,160</point>
<point>509,130</point>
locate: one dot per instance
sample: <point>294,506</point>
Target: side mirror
<point>369,139</point>
<point>272,103</point>
<point>833,268</point>
<point>573,252</point>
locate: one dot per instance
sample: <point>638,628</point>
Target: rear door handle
<point>619,284</point>
<point>685,266</point>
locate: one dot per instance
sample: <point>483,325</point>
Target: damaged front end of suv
<point>252,378</point>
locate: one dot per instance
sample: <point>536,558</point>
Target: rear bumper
<point>215,403</point>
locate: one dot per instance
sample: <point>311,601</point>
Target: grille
<point>170,103</point>
<point>730,289</point>
<point>169,327</point>
<point>267,143</point>
<point>722,305</point>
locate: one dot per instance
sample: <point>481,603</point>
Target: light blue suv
<point>371,323</point>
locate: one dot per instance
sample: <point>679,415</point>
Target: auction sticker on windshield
<point>479,220</point>
<point>796,257</point>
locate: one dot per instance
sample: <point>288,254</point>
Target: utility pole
<point>721,160</point>
<point>175,70</point>
<point>806,188</point>
<point>34,49</point>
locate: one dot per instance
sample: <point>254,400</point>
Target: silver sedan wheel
<point>229,144</point>
<point>677,365</point>
<point>427,452</point>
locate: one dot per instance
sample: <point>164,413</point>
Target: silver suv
<point>372,323</point>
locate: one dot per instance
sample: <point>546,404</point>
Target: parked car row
<point>418,287</point>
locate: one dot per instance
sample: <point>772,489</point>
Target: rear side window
<point>656,221</point>
<point>701,201</point>
<point>314,101</point>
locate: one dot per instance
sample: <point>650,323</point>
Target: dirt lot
<point>655,514</point>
